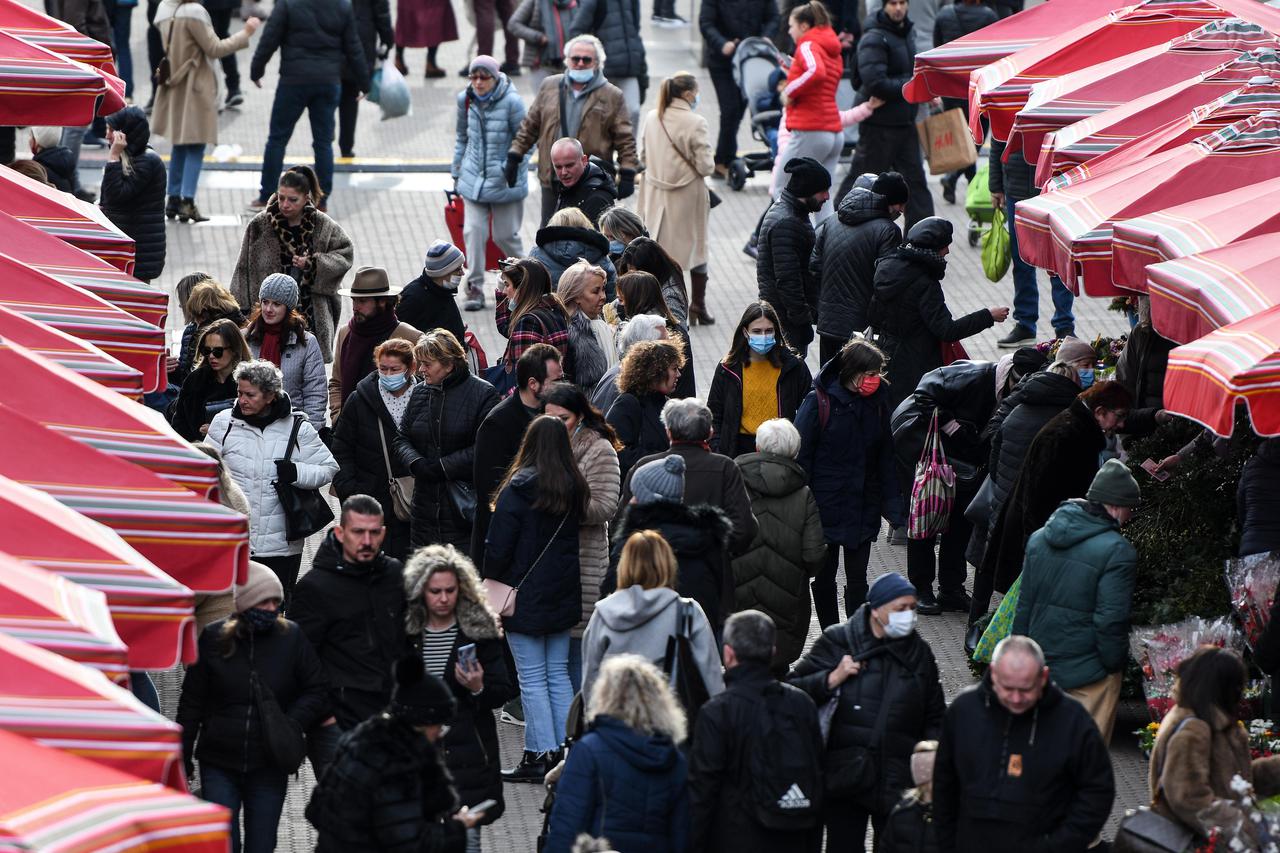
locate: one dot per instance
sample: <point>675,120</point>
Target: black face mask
<point>260,621</point>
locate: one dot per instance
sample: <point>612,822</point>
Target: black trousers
<point>892,149</point>
<point>732,108</point>
<point>155,48</point>
<point>846,826</point>
<point>548,205</point>
<point>348,112</point>
<point>221,19</point>
<point>855,590</point>
<point>829,348</point>
<point>286,568</point>
<point>948,565</point>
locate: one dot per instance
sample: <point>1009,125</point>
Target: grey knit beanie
<point>281,288</point>
<point>1114,485</point>
<point>659,480</point>
<point>442,258</point>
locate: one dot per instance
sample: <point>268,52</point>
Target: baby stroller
<point>754,62</point>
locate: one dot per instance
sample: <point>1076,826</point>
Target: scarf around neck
<point>356,358</point>
<point>272,342</point>
<point>302,243</point>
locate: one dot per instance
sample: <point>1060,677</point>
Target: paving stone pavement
<point>393,214</point>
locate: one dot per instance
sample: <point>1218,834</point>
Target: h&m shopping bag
<point>946,141</point>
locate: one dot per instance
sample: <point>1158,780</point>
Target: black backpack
<point>786,767</point>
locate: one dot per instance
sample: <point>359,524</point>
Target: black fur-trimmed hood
<point>687,529</point>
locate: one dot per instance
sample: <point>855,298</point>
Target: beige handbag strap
<point>386,457</point>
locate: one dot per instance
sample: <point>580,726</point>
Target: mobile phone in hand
<point>482,807</point>
<point>467,657</point>
<point>1150,466</point>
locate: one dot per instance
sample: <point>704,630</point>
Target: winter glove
<point>286,471</point>
<point>626,183</point>
<point>424,469</point>
<point>512,171</point>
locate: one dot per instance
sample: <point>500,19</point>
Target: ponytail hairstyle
<point>304,180</point>
<point>675,86</point>
<point>813,14</point>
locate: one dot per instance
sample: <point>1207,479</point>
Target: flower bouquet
<point>1251,583</point>
<point>1264,741</point>
<point>1245,823</point>
<point>1108,353</point>
<point>1159,649</point>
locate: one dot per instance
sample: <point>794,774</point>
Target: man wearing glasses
<point>581,104</point>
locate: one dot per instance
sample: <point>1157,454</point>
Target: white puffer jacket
<point>250,455</point>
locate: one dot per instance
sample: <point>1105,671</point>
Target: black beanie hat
<point>808,177</point>
<point>892,186</point>
<point>1027,360</point>
<point>932,232</point>
<point>419,698</point>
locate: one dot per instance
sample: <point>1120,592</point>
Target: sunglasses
<point>475,78</point>
<point>581,60</point>
<point>216,352</point>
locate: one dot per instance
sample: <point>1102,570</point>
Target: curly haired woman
<point>650,371</point>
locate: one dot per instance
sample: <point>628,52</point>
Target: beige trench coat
<point>186,110</point>
<point>673,198</point>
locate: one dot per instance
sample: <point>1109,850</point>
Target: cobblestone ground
<point>390,200</point>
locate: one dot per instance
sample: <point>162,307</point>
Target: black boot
<point>188,212</point>
<point>171,205</point>
<point>533,767</point>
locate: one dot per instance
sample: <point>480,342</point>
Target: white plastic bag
<point>393,93</point>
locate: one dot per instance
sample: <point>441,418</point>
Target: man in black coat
<point>887,139</point>
<point>730,729</point>
<point>845,251</point>
<point>318,41</point>
<point>724,23</point>
<point>502,430</point>
<point>1020,764</point>
<point>428,301</point>
<point>578,182</point>
<point>373,23</point>
<point>785,243</point>
<point>351,607</point>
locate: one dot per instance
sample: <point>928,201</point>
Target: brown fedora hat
<point>370,281</point>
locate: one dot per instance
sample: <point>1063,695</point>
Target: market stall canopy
<point>62,803</point>
<point>944,71</point>
<point>90,318</point>
<point>1054,104</point>
<point>1192,296</point>
<point>1069,230</point>
<point>59,616</point>
<point>1093,137</point>
<point>65,706</point>
<point>70,352</point>
<point>40,86</point>
<point>69,404</point>
<point>151,611</point>
<point>66,217</point>
<point>66,263</point>
<point>201,544</point>
<point>1237,363</point>
<point>61,38</point>
<point>1197,226</point>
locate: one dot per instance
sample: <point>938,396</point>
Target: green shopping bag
<point>1001,624</point>
<point>996,256</point>
<point>977,198</point>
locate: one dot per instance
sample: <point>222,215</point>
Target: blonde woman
<point>674,200</point>
<point>625,779</point>
<point>592,349</point>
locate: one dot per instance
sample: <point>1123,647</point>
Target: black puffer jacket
<point>593,194</point>
<point>219,717</point>
<point>639,426</point>
<point>437,442</point>
<point>373,23</point>
<point>318,40</point>
<point>426,305</point>
<point>722,21</point>
<point>133,199</point>
<point>1258,501</point>
<point>537,551</point>
<point>782,267</point>
<point>353,614</point>
<point>617,24</point>
<point>699,535</point>
<point>886,59</point>
<point>497,443</point>
<point>905,675</point>
<point>1017,420</point>
<point>725,400</point>
<point>844,258</point>
<point>387,791</point>
<point>959,19</point>
<point>59,165</point>
<point>357,446</point>
<point>909,828</point>
<point>200,398</point>
<point>909,310</point>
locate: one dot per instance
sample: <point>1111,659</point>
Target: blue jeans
<point>542,663</point>
<point>320,101</point>
<point>185,163</point>
<point>260,792</point>
<point>1026,295</point>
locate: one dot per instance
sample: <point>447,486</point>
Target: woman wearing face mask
<point>528,313</point>
<point>278,333</point>
<point>592,350</point>
<point>370,421</point>
<point>219,714</point>
<point>639,292</point>
<point>209,388</point>
<point>673,198</point>
<point>847,450</point>
<point>489,114</point>
<point>758,380</point>
<point>889,698</point>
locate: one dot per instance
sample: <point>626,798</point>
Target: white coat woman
<point>674,200</point>
<point>253,438</point>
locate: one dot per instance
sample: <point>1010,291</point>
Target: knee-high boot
<point>698,313</point>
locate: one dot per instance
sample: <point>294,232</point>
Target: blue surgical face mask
<point>511,305</point>
<point>393,382</point>
<point>761,343</point>
<point>581,75</point>
<point>697,99</point>
<point>616,247</point>
<point>1086,377</point>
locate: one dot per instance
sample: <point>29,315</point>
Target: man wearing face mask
<point>889,697</point>
<point>373,320</point>
<point>785,243</point>
<point>1077,591</point>
<point>578,182</point>
<point>428,302</point>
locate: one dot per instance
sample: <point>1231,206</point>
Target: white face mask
<point>901,623</point>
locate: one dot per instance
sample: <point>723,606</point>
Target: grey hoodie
<point>638,621</point>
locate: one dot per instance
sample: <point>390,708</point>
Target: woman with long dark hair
<point>758,380</point>
<point>277,332</point>
<point>209,388</point>
<point>644,254</point>
<point>595,449</point>
<point>528,312</point>
<point>640,292</point>
<point>533,544</point>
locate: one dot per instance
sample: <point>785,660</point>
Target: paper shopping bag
<point>946,142</point>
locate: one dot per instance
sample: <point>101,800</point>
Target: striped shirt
<point>436,648</point>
